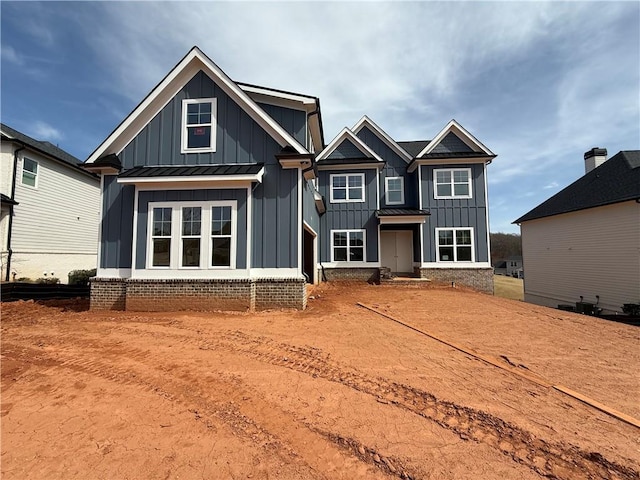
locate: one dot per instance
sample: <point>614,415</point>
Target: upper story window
<point>29,172</point>
<point>347,188</point>
<point>199,125</point>
<point>192,235</point>
<point>454,244</point>
<point>452,183</point>
<point>394,190</point>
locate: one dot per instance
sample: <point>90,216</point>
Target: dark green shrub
<point>23,280</point>
<point>48,281</point>
<point>632,309</point>
<point>81,277</point>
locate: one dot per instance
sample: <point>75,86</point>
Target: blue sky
<point>539,83</point>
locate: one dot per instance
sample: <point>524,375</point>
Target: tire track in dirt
<point>545,458</point>
<point>232,406</point>
<point>554,460</point>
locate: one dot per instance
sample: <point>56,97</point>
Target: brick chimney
<point>594,158</point>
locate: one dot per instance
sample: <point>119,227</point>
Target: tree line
<point>504,245</point>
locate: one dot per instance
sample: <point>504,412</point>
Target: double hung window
<point>454,244</point>
<point>199,125</point>
<point>192,235</point>
<point>29,172</point>
<point>452,183</point>
<point>394,189</point>
<point>347,188</point>
<point>348,245</point>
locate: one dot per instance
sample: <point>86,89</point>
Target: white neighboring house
<point>585,240</point>
<point>50,210</point>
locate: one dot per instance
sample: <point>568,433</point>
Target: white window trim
<point>37,174</point>
<point>151,237</point>
<point>214,117</point>
<point>452,196</point>
<point>347,200</point>
<point>386,190</point>
<point>364,246</point>
<point>199,237</point>
<point>205,234</point>
<point>455,251</point>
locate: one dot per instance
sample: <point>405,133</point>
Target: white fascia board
<point>402,219</point>
<point>344,135</point>
<point>193,62</point>
<point>463,134</point>
<point>445,161</point>
<point>276,96</point>
<point>382,135</point>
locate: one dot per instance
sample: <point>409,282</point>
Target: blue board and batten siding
<point>395,166</point>
<point>350,215</point>
<point>239,195</point>
<point>453,213</point>
<point>293,121</point>
<point>239,139</point>
<point>117,224</point>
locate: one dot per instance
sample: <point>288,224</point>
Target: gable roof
<point>348,135</point>
<point>616,180</point>
<point>462,134</point>
<point>193,62</point>
<point>44,148</point>
<point>382,135</point>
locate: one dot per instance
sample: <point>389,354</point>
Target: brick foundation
<point>370,275</point>
<point>205,294</point>
<point>108,294</point>
<point>479,278</point>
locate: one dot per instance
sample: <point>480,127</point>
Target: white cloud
<point>9,54</point>
<point>43,131</point>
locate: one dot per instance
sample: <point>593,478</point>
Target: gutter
<point>11,214</point>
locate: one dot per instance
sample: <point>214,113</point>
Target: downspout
<point>10,227</point>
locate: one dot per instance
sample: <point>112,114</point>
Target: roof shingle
<point>616,180</point>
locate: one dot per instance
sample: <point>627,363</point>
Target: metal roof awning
<point>198,173</point>
<point>401,215</point>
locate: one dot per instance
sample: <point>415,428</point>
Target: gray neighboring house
<point>222,195</point>
<point>585,240</point>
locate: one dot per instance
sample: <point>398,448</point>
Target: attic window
<point>199,125</point>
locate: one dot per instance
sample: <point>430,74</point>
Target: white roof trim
<point>462,133</point>
<point>382,135</point>
<point>177,78</point>
<point>344,135</point>
<point>304,99</point>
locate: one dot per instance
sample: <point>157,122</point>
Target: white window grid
<point>452,182</point>
<point>212,124</point>
<point>206,245</point>
<point>349,246</point>
<point>393,185</point>
<point>30,172</point>
<point>347,187</point>
<point>455,244</point>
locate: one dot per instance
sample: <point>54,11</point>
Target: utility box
<point>585,308</point>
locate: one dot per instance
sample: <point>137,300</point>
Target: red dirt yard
<point>336,391</point>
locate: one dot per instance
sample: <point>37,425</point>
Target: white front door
<point>396,250</point>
